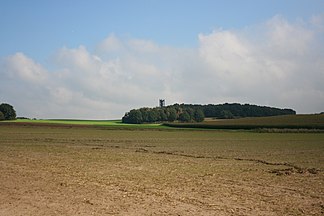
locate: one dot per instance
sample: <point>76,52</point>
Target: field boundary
<point>260,127</point>
<point>302,123</point>
<point>244,127</point>
<point>173,126</point>
<point>79,124</point>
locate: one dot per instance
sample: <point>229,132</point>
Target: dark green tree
<point>145,114</point>
<point>2,116</point>
<point>191,113</point>
<point>199,115</point>
<point>184,117</point>
<point>171,114</point>
<point>163,115</point>
<point>226,114</point>
<point>153,115</point>
<point>133,117</point>
<point>8,111</point>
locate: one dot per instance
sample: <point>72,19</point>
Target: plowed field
<point>92,171</point>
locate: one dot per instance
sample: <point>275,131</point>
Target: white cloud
<point>318,21</point>
<point>110,44</point>
<point>286,38</point>
<point>277,63</point>
<point>25,68</point>
<point>266,70</point>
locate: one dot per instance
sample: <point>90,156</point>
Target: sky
<point>98,59</point>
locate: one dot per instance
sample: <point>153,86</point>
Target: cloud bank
<point>277,63</point>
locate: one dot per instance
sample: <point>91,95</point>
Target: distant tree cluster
<point>236,110</point>
<point>164,114</point>
<point>7,112</point>
<point>197,112</point>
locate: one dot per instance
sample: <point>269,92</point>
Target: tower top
<point>162,102</point>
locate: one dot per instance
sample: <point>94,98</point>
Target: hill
<point>197,113</point>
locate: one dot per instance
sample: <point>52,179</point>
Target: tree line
<point>236,110</point>
<point>164,114</point>
<point>7,112</point>
<point>197,112</point>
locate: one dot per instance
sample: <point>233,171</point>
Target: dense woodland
<point>236,110</point>
<point>197,113</point>
<point>7,112</point>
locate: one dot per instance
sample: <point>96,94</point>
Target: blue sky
<point>139,42</point>
<point>40,27</point>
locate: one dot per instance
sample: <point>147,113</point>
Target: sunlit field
<point>57,170</point>
<point>109,123</point>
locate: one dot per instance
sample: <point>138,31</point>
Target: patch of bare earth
<point>51,175</point>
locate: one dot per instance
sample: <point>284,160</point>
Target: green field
<point>106,123</point>
<point>51,169</point>
<point>296,122</point>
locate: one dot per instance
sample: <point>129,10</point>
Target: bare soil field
<point>100,171</point>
